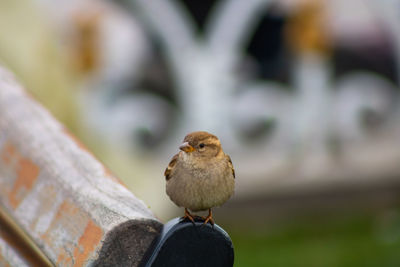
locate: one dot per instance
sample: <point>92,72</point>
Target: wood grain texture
<point>68,202</point>
<point>15,248</point>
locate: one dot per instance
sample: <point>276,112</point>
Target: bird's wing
<point>171,165</point>
<point>231,165</point>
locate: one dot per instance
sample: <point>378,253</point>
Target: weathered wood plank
<point>9,256</point>
<point>69,204</point>
<point>16,249</point>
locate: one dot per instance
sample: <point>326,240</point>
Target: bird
<point>200,176</point>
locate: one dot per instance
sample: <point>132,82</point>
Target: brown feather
<point>194,138</point>
<point>171,165</point>
<point>231,165</point>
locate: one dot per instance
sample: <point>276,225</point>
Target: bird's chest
<point>200,185</point>
<point>200,171</point>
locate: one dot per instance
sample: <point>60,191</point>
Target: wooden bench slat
<point>57,191</point>
<point>16,249</point>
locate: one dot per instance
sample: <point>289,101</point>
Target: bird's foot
<point>188,216</point>
<point>208,218</point>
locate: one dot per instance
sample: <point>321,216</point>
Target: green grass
<point>320,242</point>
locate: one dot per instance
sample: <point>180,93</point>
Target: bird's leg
<point>188,216</point>
<point>209,218</point>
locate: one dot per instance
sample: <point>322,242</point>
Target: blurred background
<point>304,95</point>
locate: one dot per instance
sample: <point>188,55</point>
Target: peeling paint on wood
<point>15,250</point>
<point>56,190</point>
<point>8,153</point>
<point>87,243</point>
<point>107,172</point>
<point>27,174</point>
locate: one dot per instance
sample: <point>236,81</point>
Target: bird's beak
<point>186,147</point>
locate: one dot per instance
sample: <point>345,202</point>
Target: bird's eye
<point>201,145</point>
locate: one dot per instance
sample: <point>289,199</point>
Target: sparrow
<point>201,176</point>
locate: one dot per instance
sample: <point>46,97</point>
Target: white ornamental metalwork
<point>317,113</point>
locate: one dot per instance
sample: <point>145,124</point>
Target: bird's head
<point>201,144</point>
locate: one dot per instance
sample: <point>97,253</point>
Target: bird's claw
<point>193,219</point>
<point>208,218</point>
<point>188,216</point>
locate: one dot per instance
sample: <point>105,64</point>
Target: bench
<point>60,206</point>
